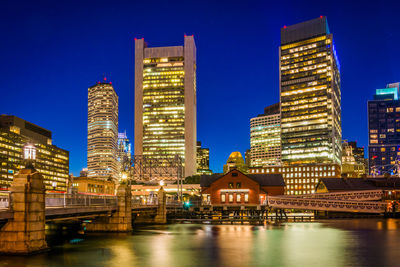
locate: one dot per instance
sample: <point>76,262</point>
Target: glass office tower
<point>384,130</point>
<point>310,94</point>
<point>265,138</point>
<point>165,102</point>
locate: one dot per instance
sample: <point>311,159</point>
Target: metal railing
<point>284,202</point>
<point>70,200</point>
<point>144,201</point>
<point>360,195</point>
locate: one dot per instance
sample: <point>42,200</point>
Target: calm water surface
<point>361,242</point>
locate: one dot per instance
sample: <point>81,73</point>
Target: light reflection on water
<point>367,242</point>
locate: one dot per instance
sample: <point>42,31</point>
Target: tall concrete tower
<point>102,131</point>
<point>165,102</point>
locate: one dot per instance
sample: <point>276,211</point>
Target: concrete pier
<point>161,216</point>
<point>121,220</point>
<point>25,232</point>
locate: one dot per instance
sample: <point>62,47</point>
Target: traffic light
<point>186,205</point>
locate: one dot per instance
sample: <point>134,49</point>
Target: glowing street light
<point>161,182</point>
<point>29,155</point>
<point>29,152</point>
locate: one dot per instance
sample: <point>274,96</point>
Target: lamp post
<point>29,155</point>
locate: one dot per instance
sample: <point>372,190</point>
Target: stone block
<point>20,197</point>
<point>35,226</point>
<point>35,206</point>
<point>19,216</point>
<point>18,206</point>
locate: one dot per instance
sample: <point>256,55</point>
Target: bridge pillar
<point>121,220</point>
<point>161,216</point>
<point>25,232</point>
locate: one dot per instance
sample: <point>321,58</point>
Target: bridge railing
<point>359,195</point>
<point>327,204</point>
<point>171,203</point>
<point>144,201</point>
<point>68,200</point>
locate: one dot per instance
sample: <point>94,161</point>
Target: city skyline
<point>357,87</point>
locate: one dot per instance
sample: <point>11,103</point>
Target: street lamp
<point>124,176</point>
<point>54,185</point>
<point>29,155</point>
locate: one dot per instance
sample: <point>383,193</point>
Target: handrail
<point>327,204</point>
<point>359,194</point>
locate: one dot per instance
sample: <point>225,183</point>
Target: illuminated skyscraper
<point>102,131</point>
<point>203,159</point>
<point>310,94</point>
<point>165,102</point>
<point>124,148</point>
<point>265,138</point>
<point>384,130</point>
<point>51,161</point>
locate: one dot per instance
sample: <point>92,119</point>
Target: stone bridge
<point>26,210</point>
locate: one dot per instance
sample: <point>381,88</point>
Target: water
<point>361,242</point>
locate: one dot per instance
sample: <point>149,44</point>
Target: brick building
<point>237,188</point>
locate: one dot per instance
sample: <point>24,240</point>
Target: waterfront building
<point>51,161</point>
<point>265,138</point>
<point>102,151</point>
<point>93,186</point>
<point>203,160</point>
<point>384,130</point>
<point>351,167</point>
<point>310,94</point>
<point>165,102</point>
<point>124,149</point>
<point>301,178</point>
<point>235,161</point>
<point>237,188</point>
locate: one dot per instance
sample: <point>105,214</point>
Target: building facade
<point>358,153</point>
<point>93,186</point>
<point>301,178</point>
<point>124,149</point>
<point>310,94</point>
<point>165,102</point>
<point>237,188</point>
<point>102,150</point>
<point>235,161</point>
<point>203,159</point>
<point>384,130</point>
<point>265,138</point>
<point>51,161</point>
<point>350,166</point>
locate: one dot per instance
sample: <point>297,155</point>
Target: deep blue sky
<point>52,51</point>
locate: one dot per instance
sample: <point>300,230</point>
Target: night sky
<point>52,51</point>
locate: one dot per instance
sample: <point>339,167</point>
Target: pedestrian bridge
<point>353,201</point>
